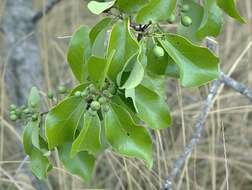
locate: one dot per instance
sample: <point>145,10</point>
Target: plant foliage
<point>121,65</point>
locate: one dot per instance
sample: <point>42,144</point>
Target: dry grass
<point>223,158</point>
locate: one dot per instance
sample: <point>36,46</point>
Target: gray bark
<point>24,69</point>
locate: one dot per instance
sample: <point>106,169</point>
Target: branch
<point>37,16</point>
<point>235,85</point>
<point>179,163</point>
<point>223,79</point>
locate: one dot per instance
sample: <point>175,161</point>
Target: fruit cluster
<point>184,19</point>
<point>96,99</point>
<point>22,112</point>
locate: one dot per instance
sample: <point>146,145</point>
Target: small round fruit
<point>33,104</point>
<point>13,107</point>
<point>105,108</point>
<point>102,100</point>
<point>13,112</point>
<point>185,8</point>
<point>26,111</point>
<point>18,112</point>
<point>84,94</point>
<point>34,117</point>
<point>158,51</point>
<point>77,94</point>
<point>92,112</point>
<point>50,95</point>
<point>95,106</point>
<point>92,89</point>
<point>186,20</point>
<point>13,117</point>
<point>171,19</point>
<point>62,89</point>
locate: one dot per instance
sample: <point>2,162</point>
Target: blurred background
<point>34,54</point>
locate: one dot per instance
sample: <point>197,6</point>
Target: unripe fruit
<point>105,108</point>
<point>186,20</point>
<point>92,112</point>
<point>185,8</point>
<point>26,111</point>
<point>158,51</point>
<point>102,100</point>
<point>95,106</point>
<point>50,95</point>
<point>13,107</point>
<point>33,104</point>
<point>112,89</point>
<point>171,19</point>
<point>13,117</point>
<point>84,94</point>
<point>34,117</point>
<point>62,89</point>
<point>13,112</point>
<point>77,94</point>
<point>92,89</point>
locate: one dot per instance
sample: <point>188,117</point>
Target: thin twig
<point>238,87</point>
<point>195,139</point>
<point>37,16</point>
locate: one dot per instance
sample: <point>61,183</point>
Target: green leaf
<point>82,164</point>
<point>196,13</point>
<point>34,98</point>
<point>156,10</point>
<point>62,121</point>
<point>197,65</point>
<point>98,7</point>
<point>160,65</point>
<point>131,6</point>
<point>124,45</point>
<point>229,6</point>
<point>126,137</point>
<point>89,137</point>
<point>30,132</point>
<point>104,23</point>
<point>212,21</point>
<point>79,52</point>
<point>98,69</point>
<point>100,46</point>
<point>39,163</point>
<point>135,68</point>
<point>152,108</point>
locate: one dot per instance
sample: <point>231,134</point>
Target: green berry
<point>92,89</point>
<point>95,106</point>
<point>62,89</point>
<point>34,117</point>
<point>185,8</point>
<point>26,111</point>
<point>13,117</point>
<point>13,112</point>
<point>158,51</point>
<point>102,100</point>
<point>112,89</point>
<point>18,112</point>
<point>13,107</point>
<point>77,94</point>
<point>84,93</point>
<point>50,95</point>
<point>171,19</point>
<point>105,108</point>
<point>186,20</point>
<point>33,104</point>
<point>92,112</point>
<point>23,107</point>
